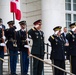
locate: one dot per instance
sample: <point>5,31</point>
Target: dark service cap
<point>37,21</point>
<point>57,28</point>
<point>72,25</point>
<point>10,22</point>
<point>22,22</point>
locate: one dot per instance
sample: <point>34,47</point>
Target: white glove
<point>26,46</point>
<point>2,44</point>
<point>66,44</point>
<point>4,37</point>
<point>36,26</point>
<point>74,29</point>
<point>1,27</point>
<point>28,39</point>
<point>56,32</point>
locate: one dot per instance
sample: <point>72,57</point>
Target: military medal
<point>73,36</point>
<point>36,36</point>
<point>73,39</point>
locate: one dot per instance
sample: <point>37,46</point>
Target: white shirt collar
<point>23,29</point>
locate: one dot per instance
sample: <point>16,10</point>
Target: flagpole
<point>13,17</point>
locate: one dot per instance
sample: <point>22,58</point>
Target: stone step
<point>47,68</point>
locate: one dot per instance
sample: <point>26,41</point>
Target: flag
<point>13,6</point>
<point>18,11</point>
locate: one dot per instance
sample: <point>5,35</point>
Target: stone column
<point>53,14</point>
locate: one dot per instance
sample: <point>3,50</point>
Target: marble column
<point>53,14</point>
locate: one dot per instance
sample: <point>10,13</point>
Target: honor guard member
<point>23,48</point>
<point>71,36</point>
<point>37,37</point>
<point>66,45</point>
<point>1,37</point>
<point>57,53</point>
<point>2,45</point>
<point>12,46</point>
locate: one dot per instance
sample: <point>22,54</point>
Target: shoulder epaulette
<point>52,37</point>
<point>33,29</point>
<point>70,33</point>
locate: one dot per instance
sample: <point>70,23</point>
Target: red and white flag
<point>18,11</point>
<point>15,8</point>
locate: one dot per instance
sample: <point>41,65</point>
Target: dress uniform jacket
<point>11,37</point>
<point>57,53</point>
<point>1,47</point>
<point>38,41</point>
<point>72,43</point>
<point>57,45</point>
<point>21,35</point>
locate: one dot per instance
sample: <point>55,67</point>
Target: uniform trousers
<point>37,65</point>
<point>24,61</point>
<point>59,63</point>
<point>1,52</point>
<point>13,60</point>
<point>73,64</point>
<point>1,62</point>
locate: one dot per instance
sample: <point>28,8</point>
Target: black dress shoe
<point>12,74</point>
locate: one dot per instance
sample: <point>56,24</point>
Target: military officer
<point>37,37</point>
<point>23,48</point>
<point>12,46</point>
<point>71,36</point>
<point>57,53</point>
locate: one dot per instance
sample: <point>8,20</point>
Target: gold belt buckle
<point>15,45</point>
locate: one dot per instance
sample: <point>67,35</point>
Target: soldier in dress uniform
<point>12,46</point>
<point>66,45</point>
<point>2,45</point>
<point>23,48</point>
<point>37,37</point>
<point>57,53</point>
<point>71,36</point>
<point>1,37</point>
